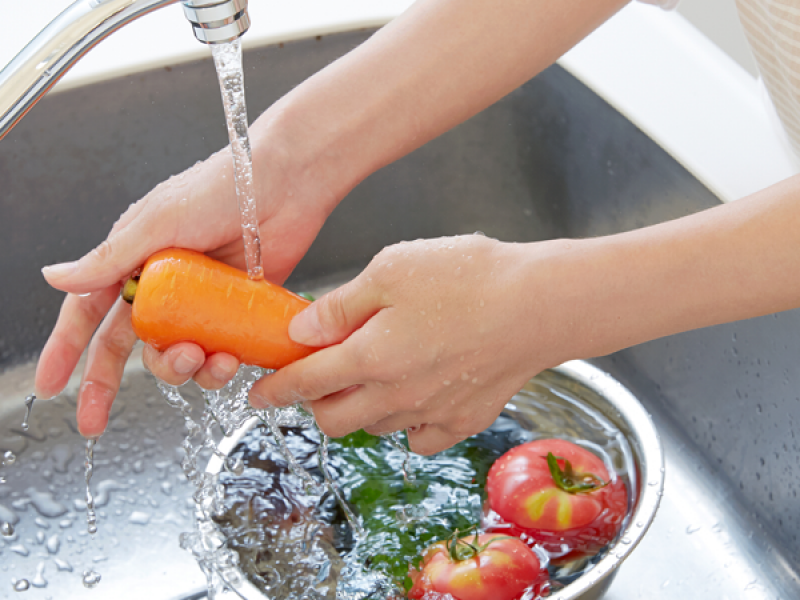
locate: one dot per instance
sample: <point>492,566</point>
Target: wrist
<point>298,157</point>
<point>575,297</point>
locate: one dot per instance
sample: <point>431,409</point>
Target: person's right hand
<point>197,210</point>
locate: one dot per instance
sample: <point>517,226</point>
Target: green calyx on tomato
<point>461,549</point>
<point>570,481</point>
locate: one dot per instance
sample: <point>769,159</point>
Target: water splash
<point>28,408</point>
<point>394,440</point>
<point>91,514</point>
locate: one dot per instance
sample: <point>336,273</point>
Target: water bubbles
<point>91,578</point>
<point>9,458</point>
<point>7,529</point>
<point>411,513</point>
<point>234,466</point>
<point>21,585</point>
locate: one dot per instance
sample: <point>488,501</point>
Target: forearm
<point>431,68</point>
<point>732,262</point>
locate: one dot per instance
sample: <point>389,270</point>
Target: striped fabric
<point>773,29</point>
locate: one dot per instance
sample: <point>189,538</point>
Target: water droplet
<point>21,585</point>
<point>7,529</point>
<point>45,504</point>
<point>39,581</point>
<point>63,565</point>
<point>91,578</point>
<point>9,458</point>
<point>28,407</point>
<point>139,518</point>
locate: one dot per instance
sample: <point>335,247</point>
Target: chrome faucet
<point>83,25</point>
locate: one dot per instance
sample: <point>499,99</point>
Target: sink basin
<point>552,159</point>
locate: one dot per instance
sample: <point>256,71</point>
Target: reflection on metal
<point>549,160</point>
<point>84,24</point>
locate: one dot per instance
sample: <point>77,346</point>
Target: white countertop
<point>651,65</point>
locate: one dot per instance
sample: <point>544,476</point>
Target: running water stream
<point>228,62</point>
<point>229,408</point>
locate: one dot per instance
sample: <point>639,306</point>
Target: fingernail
<point>60,270</point>
<point>220,373</point>
<point>305,328</point>
<point>184,364</point>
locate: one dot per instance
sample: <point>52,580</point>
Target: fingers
<point>430,439</point>
<point>77,321</point>
<point>178,364</point>
<point>337,314</point>
<point>108,352</point>
<point>316,376</point>
<point>361,407</point>
<point>397,422</point>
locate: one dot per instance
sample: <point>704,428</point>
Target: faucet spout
<point>83,25</point>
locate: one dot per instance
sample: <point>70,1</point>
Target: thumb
<point>333,317</point>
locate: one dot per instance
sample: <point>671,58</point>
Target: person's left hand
<point>434,336</point>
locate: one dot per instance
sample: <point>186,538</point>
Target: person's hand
<point>434,336</point>
<point>436,65</point>
<point>196,210</point>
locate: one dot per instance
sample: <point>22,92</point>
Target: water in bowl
<point>296,546</point>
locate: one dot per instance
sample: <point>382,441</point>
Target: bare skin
<point>510,310</point>
<point>437,335</point>
<point>433,67</point>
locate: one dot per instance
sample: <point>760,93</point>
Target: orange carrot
<point>185,296</point>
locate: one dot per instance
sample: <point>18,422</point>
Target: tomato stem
<point>569,480</point>
<point>461,549</point>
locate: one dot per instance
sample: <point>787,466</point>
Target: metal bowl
<point>600,392</point>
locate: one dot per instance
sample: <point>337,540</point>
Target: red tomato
<point>569,505</point>
<point>482,567</point>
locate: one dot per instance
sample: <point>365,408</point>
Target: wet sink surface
<point>550,160</point>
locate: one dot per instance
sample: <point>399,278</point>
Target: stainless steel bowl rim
<point>651,475</point>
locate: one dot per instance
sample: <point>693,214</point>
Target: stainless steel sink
<point>551,159</point>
